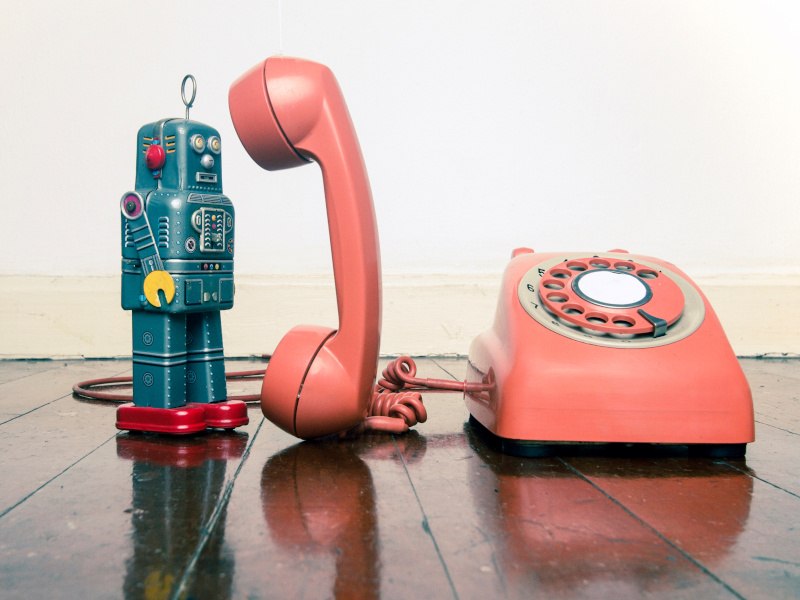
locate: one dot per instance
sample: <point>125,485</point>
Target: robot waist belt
<point>182,266</point>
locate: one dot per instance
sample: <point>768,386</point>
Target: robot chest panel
<point>213,226</point>
<point>192,226</point>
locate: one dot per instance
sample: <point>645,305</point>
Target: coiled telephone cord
<point>396,403</point>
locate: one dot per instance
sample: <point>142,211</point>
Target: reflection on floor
<point>86,511</point>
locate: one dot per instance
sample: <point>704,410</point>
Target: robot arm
<point>156,278</point>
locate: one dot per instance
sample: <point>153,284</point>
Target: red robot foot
<point>223,415</point>
<point>176,421</point>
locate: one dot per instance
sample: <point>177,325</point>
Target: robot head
<point>179,154</point>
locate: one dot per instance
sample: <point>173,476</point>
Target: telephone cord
<point>87,389</point>
<point>397,402</point>
<point>395,406</point>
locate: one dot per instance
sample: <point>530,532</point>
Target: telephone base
<point>571,371</point>
<point>532,449</point>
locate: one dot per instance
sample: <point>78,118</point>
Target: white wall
<point>670,129</point>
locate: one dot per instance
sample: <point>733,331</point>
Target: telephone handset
<point>606,347</point>
<point>288,112</point>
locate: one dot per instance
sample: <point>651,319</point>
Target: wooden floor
<point>88,512</point>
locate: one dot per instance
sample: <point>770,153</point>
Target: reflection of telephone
<point>608,347</point>
<point>542,523</point>
<point>288,112</point>
<point>319,505</point>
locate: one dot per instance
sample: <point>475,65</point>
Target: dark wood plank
<point>72,538</point>
<point>714,512</point>
<point>451,368</point>
<point>334,518</point>
<point>40,445</point>
<point>775,384</point>
<point>776,392</point>
<point>434,513</point>
<point>11,370</point>
<point>126,521</point>
<point>20,395</point>
<point>516,528</point>
<point>780,368</point>
<point>773,458</point>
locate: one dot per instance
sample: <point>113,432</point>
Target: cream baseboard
<point>62,317</point>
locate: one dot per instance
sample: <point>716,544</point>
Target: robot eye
<point>214,144</point>
<point>198,143</point>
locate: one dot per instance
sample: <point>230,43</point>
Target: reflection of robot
<point>177,274</point>
<point>176,488</point>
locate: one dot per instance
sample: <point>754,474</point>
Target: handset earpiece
<point>288,112</point>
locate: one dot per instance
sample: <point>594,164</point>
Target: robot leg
<point>159,359</point>
<point>205,375</point>
<point>159,377</point>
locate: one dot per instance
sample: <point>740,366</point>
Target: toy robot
<point>177,275</point>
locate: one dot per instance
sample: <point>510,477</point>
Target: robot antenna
<point>188,103</point>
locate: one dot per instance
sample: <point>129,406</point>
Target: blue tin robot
<point>177,275</point>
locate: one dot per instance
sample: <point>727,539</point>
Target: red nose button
<point>155,157</point>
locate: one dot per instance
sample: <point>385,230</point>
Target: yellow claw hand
<point>159,281</point>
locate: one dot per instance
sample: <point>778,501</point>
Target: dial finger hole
<point>623,322</point>
<point>572,309</point>
<point>552,284</point>
<point>560,273</point>
<point>596,318</point>
<point>556,297</point>
<point>624,266</point>
<point>599,263</point>
<point>576,266</point>
<point>647,274</point>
